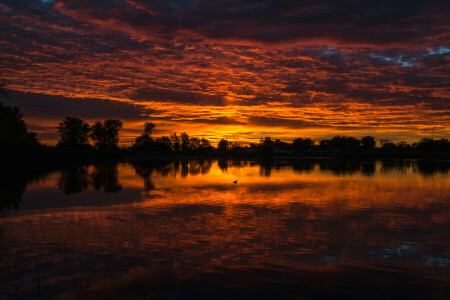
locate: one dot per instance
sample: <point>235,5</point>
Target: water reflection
<point>103,177</point>
<point>74,180</point>
<point>13,183</point>
<point>312,228</point>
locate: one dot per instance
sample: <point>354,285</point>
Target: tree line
<point>104,135</point>
<point>74,132</point>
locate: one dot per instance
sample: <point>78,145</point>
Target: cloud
<point>218,66</point>
<point>167,95</point>
<point>348,22</point>
<point>57,107</point>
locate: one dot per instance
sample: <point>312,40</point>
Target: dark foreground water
<point>301,229</point>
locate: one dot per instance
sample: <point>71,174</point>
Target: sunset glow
<point>231,69</point>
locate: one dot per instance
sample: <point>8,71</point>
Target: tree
<point>345,143</point>
<point>176,145</point>
<point>403,146</point>
<point>194,143</point>
<point>300,144</point>
<point>389,147</point>
<point>368,143</point>
<point>106,134</point>
<point>184,142</point>
<point>73,132</point>
<point>13,130</point>
<point>266,146</point>
<point>163,144</point>
<point>204,143</point>
<point>432,145</point>
<point>383,142</point>
<point>149,127</point>
<point>146,138</point>
<point>223,145</point>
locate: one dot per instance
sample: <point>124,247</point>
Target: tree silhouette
<point>204,143</point>
<point>388,146</point>
<point>300,144</point>
<point>11,191</point>
<point>184,142</point>
<point>223,145</point>
<point>146,138</point>
<point>346,143</point>
<point>149,128</point>
<point>73,132</point>
<point>13,130</point>
<point>193,143</point>
<point>432,145</point>
<point>106,134</point>
<point>176,144</point>
<point>368,143</point>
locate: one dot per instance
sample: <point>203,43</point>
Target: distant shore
<point>47,156</point>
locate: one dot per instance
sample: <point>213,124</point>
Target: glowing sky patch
<point>233,69</point>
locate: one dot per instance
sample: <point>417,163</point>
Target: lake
<point>296,229</point>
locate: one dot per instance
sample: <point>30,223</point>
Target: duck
<point>235,181</point>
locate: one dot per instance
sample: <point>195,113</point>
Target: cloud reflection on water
<point>184,227</point>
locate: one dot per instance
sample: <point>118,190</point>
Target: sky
<point>233,69</point>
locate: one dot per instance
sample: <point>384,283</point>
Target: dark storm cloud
<point>369,22</point>
<point>57,107</point>
<point>166,95</point>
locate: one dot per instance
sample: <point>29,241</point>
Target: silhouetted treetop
<point>432,145</point>
<point>73,132</point>
<point>13,130</point>
<point>368,143</point>
<point>301,144</point>
<point>145,139</point>
<point>149,127</point>
<point>347,144</point>
<point>106,134</point>
<point>223,145</point>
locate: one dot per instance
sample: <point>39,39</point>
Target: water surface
<point>310,228</point>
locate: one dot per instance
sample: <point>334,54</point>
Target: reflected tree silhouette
<point>169,168</point>
<point>223,164</point>
<point>398,165</point>
<point>194,168</point>
<point>430,167</point>
<point>205,166</point>
<point>146,173</point>
<point>266,166</point>
<point>368,168</point>
<point>105,177</point>
<point>11,194</point>
<point>184,168</point>
<point>303,165</point>
<point>13,184</point>
<point>74,180</point>
<point>340,166</point>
